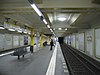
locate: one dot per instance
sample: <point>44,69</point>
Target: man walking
<point>51,44</point>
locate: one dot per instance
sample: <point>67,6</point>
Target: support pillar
<point>41,40</point>
<point>32,41</point>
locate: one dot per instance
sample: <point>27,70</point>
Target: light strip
<point>6,53</point>
<point>51,30</point>
<point>66,29</point>
<point>2,28</point>
<point>29,33</point>
<point>36,9</point>
<point>61,18</point>
<point>19,31</point>
<point>48,26</point>
<point>59,28</point>
<point>25,32</point>
<point>45,21</point>
<point>11,29</point>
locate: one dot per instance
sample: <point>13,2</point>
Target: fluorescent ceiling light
<point>61,18</point>
<point>53,28</point>
<point>53,33</point>
<point>25,32</point>
<point>11,29</point>
<point>34,34</point>
<point>19,31</point>
<point>2,28</point>
<point>59,28</point>
<point>36,9</point>
<point>66,29</point>
<point>48,26</point>
<point>45,21</point>
<point>29,33</point>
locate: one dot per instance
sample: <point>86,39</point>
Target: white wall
<point>81,41</point>
<point>73,40</point>
<point>29,40</point>
<point>65,40</point>
<point>69,40</point>
<point>1,42</point>
<point>8,41</point>
<point>97,42</point>
<point>21,40</point>
<point>89,40</point>
<point>15,40</point>
<point>77,41</point>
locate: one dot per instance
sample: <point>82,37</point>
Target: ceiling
<point>79,14</point>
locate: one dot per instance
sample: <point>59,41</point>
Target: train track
<point>77,65</point>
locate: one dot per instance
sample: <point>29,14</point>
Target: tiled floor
<point>61,68</point>
<point>33,64</point>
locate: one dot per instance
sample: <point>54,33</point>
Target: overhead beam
<point>69,32</point>
<point>74,27</point>
<point>76,10</point>
<point>63,10</point>
<point>18,12</point>
<point>68,4</point>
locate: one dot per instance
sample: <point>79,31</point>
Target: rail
<point>78,63</point>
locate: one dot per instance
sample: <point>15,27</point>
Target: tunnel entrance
<point>60,39</point>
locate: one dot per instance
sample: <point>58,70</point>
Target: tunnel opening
<point>60,40</point>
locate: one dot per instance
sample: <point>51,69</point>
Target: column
<point>32,41</point>
<point>41,40</point>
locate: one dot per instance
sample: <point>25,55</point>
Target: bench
<point>20,52</point>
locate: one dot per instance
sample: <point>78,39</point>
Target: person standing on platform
<point>51,44</point>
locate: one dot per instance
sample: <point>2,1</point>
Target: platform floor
<point>61,68</point>
<point>32,64</point>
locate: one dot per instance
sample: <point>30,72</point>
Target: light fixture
<point>19,31</point>
<point>50,29</point>
<point>53,33</point>
<point>11,29</point>
<point>45,21</point>
<point>53,28</point>
<point>36,9</point>
<point>48,26</point>
<point>59,28</point>
<point>32,3</point>
<point>2,28</point>
<point>29,33</point>
<point>61,18</point>
<point>25,32</point>
<point>35,34</point>
<point>66,29</point>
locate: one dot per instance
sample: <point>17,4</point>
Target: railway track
<point>77,64</point>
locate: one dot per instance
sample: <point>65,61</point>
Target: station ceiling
<point>79,14</point>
